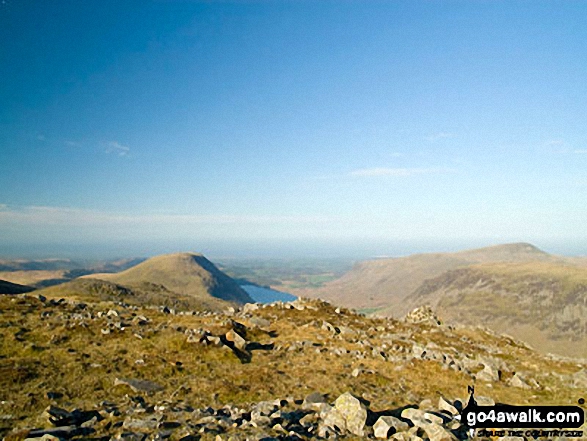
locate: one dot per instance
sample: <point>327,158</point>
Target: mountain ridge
<point>185,274</point>
<point>454,283</point>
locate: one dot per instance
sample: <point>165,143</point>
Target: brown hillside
<point>542,303</point>
<point>184,274</point>
<point>386,283</point>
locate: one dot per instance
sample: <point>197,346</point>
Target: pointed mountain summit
<point>187,276</point>
<point>509,252</point>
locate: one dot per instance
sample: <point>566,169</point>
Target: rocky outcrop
<point>284,419</point>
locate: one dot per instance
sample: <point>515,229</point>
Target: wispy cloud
<point>118,149</point>
<point>72,144</point>
<point>438,136</point>
<point>41,138</point>
<point>580,151</point>
<point>397,172</point>
<point>64,216</point>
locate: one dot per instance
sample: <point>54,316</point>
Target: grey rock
<point>46,437</point>
<point>249,307</point>
<point>423,314</point>
<point>426,404</point>
<point>61,417</point>
<point>58,432</point>
<point>445,405</point>
<point>309,420</point>
<point>139,385</point>
<point>314,401</point>
<point>214,341</point>
<point>238,341</point>
<point>518,381</point>
<point>436,432</point>
<point>326,326</point>
<point>353,411</point>
<point>331,420</point>
<point>131,436</point>
<point>260,322</point>
<point>266,408</point>
<point>488,374</point>
<point>484,401</point>
<point>387,424</point>
<point>405,436</point>
<point>137,424</point>
<point>420,418</point>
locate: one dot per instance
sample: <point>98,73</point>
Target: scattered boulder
<point>249,307</point>
<point>139,385</point>
<point>332,420</point>
<point>518,381</point>
<point>488,374</point>
<point>314,401</point>
<point>423,314</point>
<point>236,340</point>
<point>353,411</point>
<point>420,418</point>
<point>446,406</point>
<point>388,425</point>
<point>436,432</point>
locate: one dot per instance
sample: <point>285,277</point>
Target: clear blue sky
<point>226,127</point>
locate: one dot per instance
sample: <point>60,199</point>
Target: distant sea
<point>267,295</point>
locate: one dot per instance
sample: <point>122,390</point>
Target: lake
<point>267,295</point>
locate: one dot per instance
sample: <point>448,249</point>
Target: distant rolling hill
<point>183,279</point>
<point>48,272</point>
<point>35,265</point>
<point>515,288</point>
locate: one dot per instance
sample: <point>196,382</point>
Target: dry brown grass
<point>41,354</point>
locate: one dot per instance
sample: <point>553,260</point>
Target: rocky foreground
<point>300,370</point>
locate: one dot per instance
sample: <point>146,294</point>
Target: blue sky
<point>299,126</point>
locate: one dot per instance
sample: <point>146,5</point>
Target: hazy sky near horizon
<point>292,121</point>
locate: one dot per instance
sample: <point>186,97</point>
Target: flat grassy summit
<point>188,279</point>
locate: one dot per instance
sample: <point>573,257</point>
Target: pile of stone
<point>423,314</point>
<point>234,340</point>
<point>314,417</point>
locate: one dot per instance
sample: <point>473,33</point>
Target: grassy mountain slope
<point>183,274</point>
<point>94,290</point>
<point>71,355</point>
<point>543,303</point>
<point>386,283</point>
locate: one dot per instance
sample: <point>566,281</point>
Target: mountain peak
<point>188,274</point>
